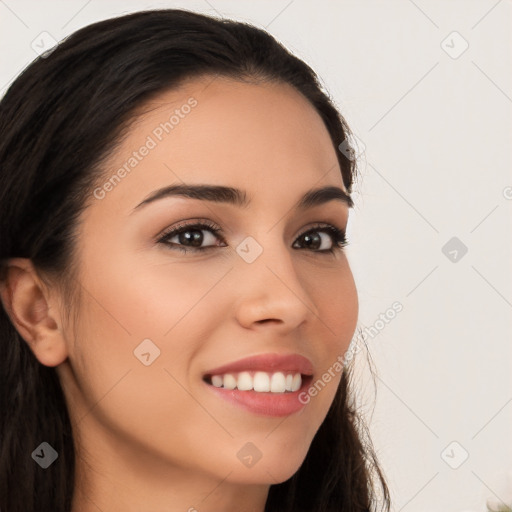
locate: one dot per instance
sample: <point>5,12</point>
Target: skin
<point>153,437</point>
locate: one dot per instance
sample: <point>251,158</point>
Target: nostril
<point>268,320</point>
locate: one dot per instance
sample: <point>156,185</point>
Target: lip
<point>267,363</point>
<point>265,403</point>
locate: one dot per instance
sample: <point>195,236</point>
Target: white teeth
<point>278,383</point>
<point>261,382</point>
<point>244,382</point>
<point>229,381</point>
<point>296,382</point>
<point>217,381</point>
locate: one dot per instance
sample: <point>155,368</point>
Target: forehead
<point>265,138</point>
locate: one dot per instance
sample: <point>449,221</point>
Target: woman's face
<point>155,321</point>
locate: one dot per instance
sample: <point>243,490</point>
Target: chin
<point>273,468</point>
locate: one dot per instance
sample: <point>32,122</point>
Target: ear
<point>33,314</point>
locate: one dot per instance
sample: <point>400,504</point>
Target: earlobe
<point>28,306</point>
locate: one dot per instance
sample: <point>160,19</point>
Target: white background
<point>436,164</point>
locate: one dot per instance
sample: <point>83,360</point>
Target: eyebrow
<point>237,197</point>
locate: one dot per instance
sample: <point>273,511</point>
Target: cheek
<point>335,296</point>
<point>338,307</point>
<point>143,405</point>
<point>150,297</point>
<point>130,310</point>
<point>345,315</point>
<point>156,298</point>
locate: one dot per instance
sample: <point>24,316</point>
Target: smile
<point>261,382</point>
<point>265,384</point>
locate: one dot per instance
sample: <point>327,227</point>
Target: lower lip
<point>264,403</point>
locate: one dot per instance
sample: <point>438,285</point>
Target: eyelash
<point>338,236</point>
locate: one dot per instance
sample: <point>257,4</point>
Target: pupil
<point>196,238</point>
<point>311,239</point>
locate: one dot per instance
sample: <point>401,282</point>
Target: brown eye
<point>313,240</point>
<point>190,237</point>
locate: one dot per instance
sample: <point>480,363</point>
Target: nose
<point>270,291</point>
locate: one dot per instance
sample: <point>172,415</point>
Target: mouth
<point>268,385</point>
<point>259,381</point>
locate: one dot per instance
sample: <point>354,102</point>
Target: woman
<point>177,302</point>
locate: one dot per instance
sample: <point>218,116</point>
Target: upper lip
<point>267,363</point>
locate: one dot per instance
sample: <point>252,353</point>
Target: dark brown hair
<point>59,120</point>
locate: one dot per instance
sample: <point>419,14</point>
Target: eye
<point>337,236</point>
<point>189,234</point>
<point>189,238</point>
